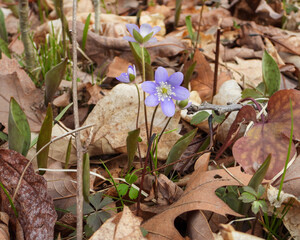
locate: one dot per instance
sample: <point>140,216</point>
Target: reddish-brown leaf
<point>35,208</point>
<point>271,137</point>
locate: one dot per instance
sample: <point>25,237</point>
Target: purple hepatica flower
<point>143,34</point>
<point>129,76</point>
<point>164,89</point>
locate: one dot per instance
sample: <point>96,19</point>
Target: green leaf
<point>259,175</point>
<point>247,197</point>
<point>218,118</point>
<point>53,79</point>
<point>271,74</point>
<point>44,138</point>
<point>95,199</point>
<point>250,190</point>
<point>260,191</point>
<point>132,144</point>
<point>148,37</point>
<point>105,201</point>
<point>189,26</point>
<point>19,136</point>
<point>252,93</point>
<point>255,207</point>
<point>68,153</point>
<point>133,193</point>
<point>85,31</point>
<point>94,221</point>
<point>137,54</point>
<point>3,32</point>
<point>178,149</point>
<point>177,12</point>
<point>199,117</point>
<point>62,113</point>
<point>9,199</point>
<point>86,176</point>
<point>4,48</point>
<point>122,189</point>
<point>137,36</point>
<point>3,136</point>
<point>188,75</point>
<point>263,205</point>
<point>131,178</point>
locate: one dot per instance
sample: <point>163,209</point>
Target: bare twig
<point>24,28</point>
<point>216,63</point>
<point>98,27</point>
<point>79,192</point>
<point>218,108</point>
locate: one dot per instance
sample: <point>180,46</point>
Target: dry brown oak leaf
<point>199,195</point>
<point>36,211</point>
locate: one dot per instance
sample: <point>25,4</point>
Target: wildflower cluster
<point>165,88</point>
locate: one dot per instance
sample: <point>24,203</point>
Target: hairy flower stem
<point>139,106</point>
<point>24,28</point>
<point>152,120</point>
<point>137,119</point>
<point>144,172</point>
<point>161,133</point>
<point>144,94</point>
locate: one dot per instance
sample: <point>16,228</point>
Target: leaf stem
<point>289,150</point>
<point>152,120</point>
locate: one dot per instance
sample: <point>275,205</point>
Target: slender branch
<point>199,25</point>
<point>24,28</point>
<point>79,191</point>
<point>38,152</point>
<point>97,16</point>
<point>218,108</point>
<point>139,105</point>
<point>216,64</point>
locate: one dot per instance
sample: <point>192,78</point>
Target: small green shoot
<point>44,138</point>
<point>85,31</point>
<point>132,144</point>
<point>251,196</point>
<point>271,74</point>
<point>18,129</point>
<point>123,188</point>
<point>9,199</point>
<point>86,176</point>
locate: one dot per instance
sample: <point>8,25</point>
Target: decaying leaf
<point>16,83</point>
<point>292,218</point>
<point>4,232</point>
<point>34,206</point>
<point>199,195</point>
<point>272,136</point>
<point>115,115</point>
<point>96,93</point>
<point>123,226</point>
<point>228,233</point>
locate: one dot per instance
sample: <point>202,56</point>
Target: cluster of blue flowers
<point>165,88</point>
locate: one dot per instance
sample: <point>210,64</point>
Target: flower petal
<point>123,78</point>
<point>129,39</point>
<point>161,75</point>
<point>175,79</point>
<point>151,100</point>
<point>181,93</point>
<point>130,28</point>
<point>152,40</point>
<point>168,108</point>
<point>149,87</point>
<point>156,29</point>
<point>131,70</point>
<point>145,29</point>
